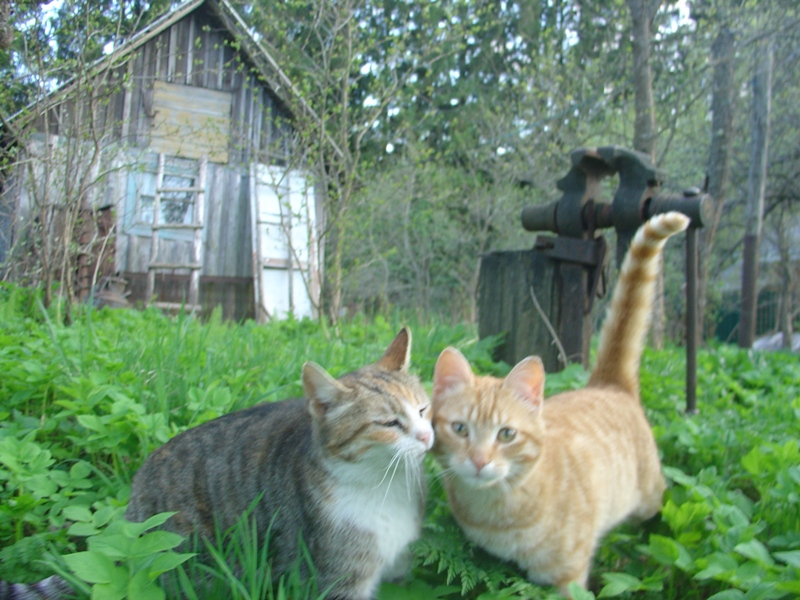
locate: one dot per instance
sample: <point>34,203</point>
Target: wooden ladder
<point>195,266</point>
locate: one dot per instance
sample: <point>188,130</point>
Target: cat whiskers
<point>396,461</point>
<point>413,472</point>
<point>446,473</point>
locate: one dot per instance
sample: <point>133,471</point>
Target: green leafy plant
<point>81,406</point>
<point>123,559</point>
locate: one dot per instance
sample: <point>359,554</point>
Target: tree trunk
<point>723,104</point>
<point>644,127</point>
<point>756,184</point>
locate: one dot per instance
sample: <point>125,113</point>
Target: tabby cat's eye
<point>506,434</point>
<point>460,429</point>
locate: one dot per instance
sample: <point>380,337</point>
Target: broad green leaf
<point>92,422</point>
<point>141,587</point>
<point>716,564</point>
<point>116,590</point>
<point>755,551</point>
<point>166,562</point>
<point>790,558</point>
<point>156,520</point>
<point>105,514</point>
<point>42,485</point>
<point>78,513</point>
<point>116,546</point>
<point>762,591</point>
<point>752,461</point>
<point>156,541</point>
<point>578,593</point>
<point>618,583</point>
<point>668,551</point>
<point>80,470</point>
<point>92,567</point>
<point>748,574</point>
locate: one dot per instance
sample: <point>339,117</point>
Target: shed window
<point>176,207</point>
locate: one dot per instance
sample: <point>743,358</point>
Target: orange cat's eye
<point>460,429</point>
<point>422,411</point>
<point>506,434</point>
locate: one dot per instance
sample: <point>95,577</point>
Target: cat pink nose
<point>424,437</point>
<point>479,462</point>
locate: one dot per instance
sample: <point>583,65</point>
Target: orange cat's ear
<point>398,355</point>
<point>526,380</point>
<point>452,371</point>
<point>321,389</point>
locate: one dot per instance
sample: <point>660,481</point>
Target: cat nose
<point>479,462</point>
<point>424,437</point>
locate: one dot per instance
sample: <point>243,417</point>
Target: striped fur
<point>341,468</point>
<point>623,333</point>
<point>540,483</point>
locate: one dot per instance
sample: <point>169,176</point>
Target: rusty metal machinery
<point>579,213</point>
<point>572,261</point>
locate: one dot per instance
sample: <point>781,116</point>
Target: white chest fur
<point>389,509</point>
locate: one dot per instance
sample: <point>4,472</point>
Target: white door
<point>286,243</point>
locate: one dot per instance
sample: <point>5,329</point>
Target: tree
<point>349,61</point>
<point>757,183</point>
<point>644,128</point>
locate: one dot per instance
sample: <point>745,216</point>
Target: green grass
<point>82,406</point>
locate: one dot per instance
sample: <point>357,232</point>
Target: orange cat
<point>541,482</point>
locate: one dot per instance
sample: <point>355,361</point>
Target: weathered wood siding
<point>197,52</point>
<point>184,91</point>
<point>505,305</point>
<point>226,235</point>
<point>194,59</point>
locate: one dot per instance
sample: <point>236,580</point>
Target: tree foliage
<point>447,117</point>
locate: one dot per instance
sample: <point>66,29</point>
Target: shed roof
<point>254,48</point>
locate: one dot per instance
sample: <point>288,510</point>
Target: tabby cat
<point>341,468</point>
<point>540,482</point>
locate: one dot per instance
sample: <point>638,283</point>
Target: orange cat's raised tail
<point>624,330</point>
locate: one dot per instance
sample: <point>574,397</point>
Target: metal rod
<point>691,320</point>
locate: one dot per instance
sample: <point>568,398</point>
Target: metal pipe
<point>691,321</point>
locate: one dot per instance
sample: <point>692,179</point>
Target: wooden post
<point>691,320</point>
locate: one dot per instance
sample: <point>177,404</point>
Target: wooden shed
<point>196,181</point>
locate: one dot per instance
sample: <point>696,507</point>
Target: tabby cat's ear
<point>452,371</point>
<point>526,381</point>
<point>398,355</point>
<point>321,389</point>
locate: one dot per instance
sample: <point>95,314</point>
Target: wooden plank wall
<point>175,56</point>
<point>505,305</point>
